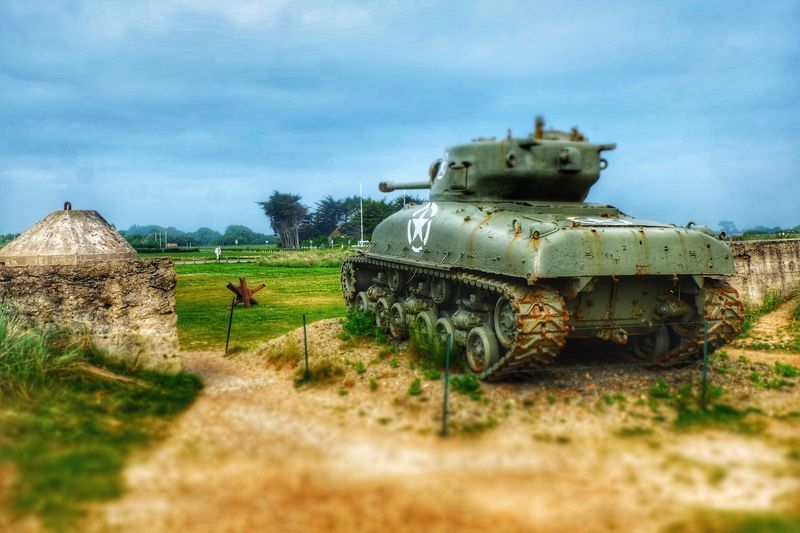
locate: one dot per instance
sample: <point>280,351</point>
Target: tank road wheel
<point>651,347</point>
<point>482,349</point>
<point>362,303</point>
<point>442,328</point>
<point>505,322</point>
<point>395,279</point>
<point>425,324</point>
<point>441,289</point>
<point>382,313</point>
<point>348,281</point>
<point>397,322</point>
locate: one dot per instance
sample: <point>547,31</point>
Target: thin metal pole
<point>446,382</point>
<point>305,343</point>
<point>230,321</point>
<point>361,209</point>
<point>705,363</point>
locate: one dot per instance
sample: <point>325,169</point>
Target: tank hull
<point>522,278</point>
<point>545,241</point>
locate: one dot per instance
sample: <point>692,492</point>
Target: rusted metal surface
<point>244,294</point>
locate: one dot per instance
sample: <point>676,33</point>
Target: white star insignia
<point>419,226</point>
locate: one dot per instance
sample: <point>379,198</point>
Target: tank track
<point>725,314</point>
<point>540,314</point>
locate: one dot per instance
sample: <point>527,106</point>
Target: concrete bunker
<point>73,270</point>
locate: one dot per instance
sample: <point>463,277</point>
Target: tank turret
<point>548,165</point>
<point>510,261</point>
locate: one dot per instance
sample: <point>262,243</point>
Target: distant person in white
<point>218,252</point>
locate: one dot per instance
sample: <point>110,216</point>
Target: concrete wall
<point>765,266</point>
<point>128,307</point>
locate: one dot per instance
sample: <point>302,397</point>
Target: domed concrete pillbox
<point>67,238</point>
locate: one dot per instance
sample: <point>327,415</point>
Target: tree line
<point>153,236</point>
<point>330,218</point>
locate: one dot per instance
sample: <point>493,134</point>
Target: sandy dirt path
<point>254,453</point>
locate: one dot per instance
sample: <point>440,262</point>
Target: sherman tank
<point>509,259</point>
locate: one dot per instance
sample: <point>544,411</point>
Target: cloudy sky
<point>184,113</point>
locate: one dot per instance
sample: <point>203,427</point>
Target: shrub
<point>287,353</point>
<point>467,385</point>
<point>415,389</point>
<point>358,324</point>
<point>32,358</point>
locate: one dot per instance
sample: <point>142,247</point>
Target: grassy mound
<point>67,429</point>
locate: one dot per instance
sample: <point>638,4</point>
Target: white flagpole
<point>361,204</point>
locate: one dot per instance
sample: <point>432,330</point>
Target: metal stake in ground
<point>446,382</point>
<point>230,322</point>
<point>305,345</point>
<point>704,392</point>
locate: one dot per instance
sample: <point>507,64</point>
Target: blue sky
<point>184,113</point>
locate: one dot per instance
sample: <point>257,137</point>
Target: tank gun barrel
<point>389,186</point>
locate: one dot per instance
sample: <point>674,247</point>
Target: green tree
<point>206,236</point>
<point>242,235</point>
<point>286,216</point>
<point>328,214</point>
<point>375,211</point>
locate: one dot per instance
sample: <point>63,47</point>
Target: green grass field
<point>263,252</point>
<point>203,302</point>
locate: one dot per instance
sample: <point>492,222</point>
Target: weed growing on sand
<point>68,432</point>
<point>415,389</point>
<point>719,416</point>
<point>467,385</point>
<point>472,428</point>
<point>633,431</point>
<point>359,366</point>
<point>765,381</point>
<point>740,521</point>
<point>660,390</point>
<point>786,370</point>
<point>394,362</point>
<point>286,353</point>
<point>319,371</point>
<point>432,374</point>
<point>373,384</point>
<point>358,325</point>
<point>691,412</point>
<point>554,439</point>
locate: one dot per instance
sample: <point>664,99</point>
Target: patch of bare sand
<point>8,522</point>
<point>255,453</point>
<point>771,329</point>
